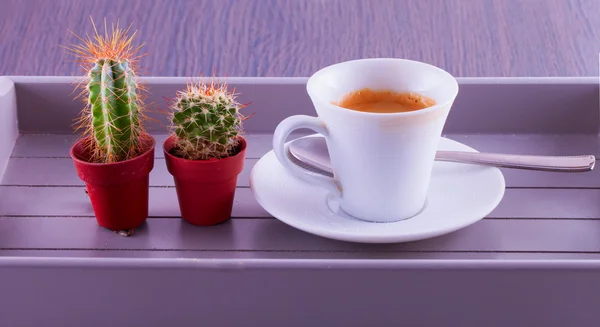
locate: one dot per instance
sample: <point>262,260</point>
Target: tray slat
<point>61,172</point>
<point>57,145</point>
<point>72,201</point>
<point>165,234</point>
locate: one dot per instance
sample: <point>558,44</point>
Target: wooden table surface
<point>295,38</point>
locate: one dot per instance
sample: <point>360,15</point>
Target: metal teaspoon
<point>311,153</point>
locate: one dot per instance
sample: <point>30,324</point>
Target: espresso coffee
<point>384,101</point>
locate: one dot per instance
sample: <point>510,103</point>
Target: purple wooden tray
<point>535,260</point>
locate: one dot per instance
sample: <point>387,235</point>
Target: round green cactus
<point>206,121</point>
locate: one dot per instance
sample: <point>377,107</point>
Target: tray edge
<point>485,105</point>
<point>8,121</point>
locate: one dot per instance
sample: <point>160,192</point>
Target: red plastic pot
<point>205,188</point>
<point>118,191</point>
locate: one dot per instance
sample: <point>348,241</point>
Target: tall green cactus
<point>114,109</point>
<point>111,119</point>
<point>206,120</point>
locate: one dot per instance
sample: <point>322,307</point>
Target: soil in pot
<point>205,188</point>
<point>118,191</point>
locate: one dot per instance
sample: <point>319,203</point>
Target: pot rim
<point>212,160</point>
<point>84,162</point>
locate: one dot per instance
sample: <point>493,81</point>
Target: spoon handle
<point>530,162</point>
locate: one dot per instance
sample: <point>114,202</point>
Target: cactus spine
<point>112,115</point>
<point>206,120</point>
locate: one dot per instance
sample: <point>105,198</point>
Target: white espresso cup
<point>382,162</point>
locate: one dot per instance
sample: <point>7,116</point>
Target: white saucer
<point>459,195</point>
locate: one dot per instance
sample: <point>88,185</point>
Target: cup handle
<point>283,130</point>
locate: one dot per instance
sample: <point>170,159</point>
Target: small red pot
<point>205,188</point>
<point>118,191</point>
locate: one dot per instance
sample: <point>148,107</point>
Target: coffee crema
<point>384,101</point>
